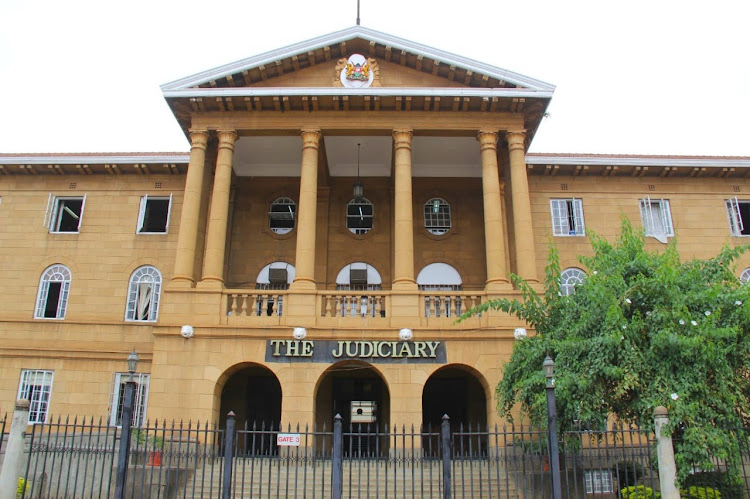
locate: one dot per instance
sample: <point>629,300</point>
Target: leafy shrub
<point>639,492</point>
<point>721,481</point>
<point>23,487</point>
<point>627,472</point>
<point>700,493</point>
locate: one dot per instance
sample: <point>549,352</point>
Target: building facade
<point>344,200</point>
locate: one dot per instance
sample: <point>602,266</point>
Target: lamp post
<point>127,418</point>
<point>554,456</point>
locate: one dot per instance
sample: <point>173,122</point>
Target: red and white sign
<point>291,439</point>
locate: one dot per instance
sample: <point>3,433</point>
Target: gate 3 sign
<point>403,352</point>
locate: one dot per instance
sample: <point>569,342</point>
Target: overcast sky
<point>636,77</point>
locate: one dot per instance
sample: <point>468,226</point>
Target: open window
<point>274,276</point>
<point>118,398</point>
<point>64,214</point>
<point>281,215</point>
<point>153,216</point>
<point>656,218</point>
<point>359,215</point>
<point>567,217</point>
<point>143,295</point>
<point>52,298</point>
<point>36,387</point>
<point>739,216</point>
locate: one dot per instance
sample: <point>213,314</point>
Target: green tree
<point>644,329</point>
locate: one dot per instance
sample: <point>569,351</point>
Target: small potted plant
<point>153,444</point>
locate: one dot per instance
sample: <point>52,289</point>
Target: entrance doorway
<point>357,392</point>
<point>253,393</point>
<point>456,390</point>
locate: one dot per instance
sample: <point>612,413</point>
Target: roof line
<point>374,91</point>
<point>545,159</point>
<point>348,34</point>
<point>86,159</point>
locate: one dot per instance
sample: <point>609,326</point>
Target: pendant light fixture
<point>359,189</point>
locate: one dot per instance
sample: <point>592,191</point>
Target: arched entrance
<point>357,392</point>
<point>253,393</point>
<point>457,391</point>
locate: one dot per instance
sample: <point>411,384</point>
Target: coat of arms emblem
<point>357,72</point>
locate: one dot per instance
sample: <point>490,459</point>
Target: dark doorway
<point>456,391</point>
<point>254,395</point>
<point>358,393</point>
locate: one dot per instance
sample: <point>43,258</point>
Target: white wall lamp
<point>299,333</point>
<point>405,334</point>
<point>187,332</point>
<point>519,333</point>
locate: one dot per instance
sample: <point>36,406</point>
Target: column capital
<point>227,138</point>
<point>311,137</point>
<point>402,138</point>
<point>516,139</point>
<point>487,139</point>
<point>198,138</point>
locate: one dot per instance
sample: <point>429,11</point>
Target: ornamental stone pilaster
<point>216,233</point>
<point>307,213</point>
<point>184,266</point>
<point>519,185</point>
<point>403,265</point>
<point>494,236</point>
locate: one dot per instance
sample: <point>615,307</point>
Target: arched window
<point>359,276</point>
<point>52,299</point>
<point>437,277</point>
<point>274,276</point>
<point>745,276</point>
<point>359,215</point>
<point>143,295</point>
<point>569,279</point>
<point>281,215</point>
<point>437,216</point>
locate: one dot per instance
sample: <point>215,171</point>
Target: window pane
<point>68,215</point>
<point>155,215</point>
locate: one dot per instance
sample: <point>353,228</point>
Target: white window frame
<point>662,214</point>
<point>362,202</point>
<point>598,482</point>
<point>437,216</point>
<point>145,278</point>
<point>54,273</point>
<point>142,382</point>
<point>142,213</point>
<point>53,215</point>
<point>564,213</point>
<point>289,213</point>
<point>736,224</point>
<point>39,398</point>
<point>745,276</point>
<point>569,279</point>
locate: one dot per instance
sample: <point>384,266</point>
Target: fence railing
<point>255,303</point>
<point>448,303</point>
<point>353,304</point>
<point>78,458</point>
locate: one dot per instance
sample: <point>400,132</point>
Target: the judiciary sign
<point>404,352</point>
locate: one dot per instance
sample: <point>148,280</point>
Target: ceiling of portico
<point>431,156</point>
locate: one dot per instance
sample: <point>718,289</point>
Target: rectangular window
<point>36,386</point>
<point>567,217</point>
<point>656,218</point>
<point>598,482</point>
<point>118,398</point>
<point>739,216</point>
<point>64,214</point>
<point>153,217</point>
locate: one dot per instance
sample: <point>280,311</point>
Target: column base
<point>303,285</point>
<point>210,283</point>
<point>409,285</point>
<point>181,282</point>
<point>492,287</point>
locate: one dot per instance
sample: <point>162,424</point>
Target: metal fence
<point>78,459</point>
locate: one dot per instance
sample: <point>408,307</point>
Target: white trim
<point>98,159</point>
<point>43,292</point>
<point>48,378</point>
<point>371,91</point>
<point>142,214</point>
<point>707,162</point>
<point>350,34</point>
<point>736,224</point>
<point>143,381</point>
<point>560,211</point>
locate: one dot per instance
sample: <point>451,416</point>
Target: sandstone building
<point>343,201</point>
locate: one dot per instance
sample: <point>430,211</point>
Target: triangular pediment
<point>399,63</point>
